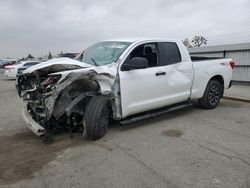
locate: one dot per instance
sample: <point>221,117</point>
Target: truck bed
<point>202,58</point>
<point>204,71</point>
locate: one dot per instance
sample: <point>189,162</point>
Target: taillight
<point>232,64</point>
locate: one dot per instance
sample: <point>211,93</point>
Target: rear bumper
<point>32,124</point>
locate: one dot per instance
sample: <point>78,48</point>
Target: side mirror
<point>135,63</point>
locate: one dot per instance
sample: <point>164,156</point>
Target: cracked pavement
<point>188,148</point>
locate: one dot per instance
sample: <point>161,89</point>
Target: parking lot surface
<point>238,91</point>
<point>188,148</point>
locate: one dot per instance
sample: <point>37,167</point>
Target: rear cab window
<point>169,53</point>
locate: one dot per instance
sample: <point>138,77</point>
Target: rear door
<point>179,73</point>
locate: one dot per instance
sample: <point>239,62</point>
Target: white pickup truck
<point>125,79</point>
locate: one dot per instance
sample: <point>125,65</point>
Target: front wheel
<point>97,117</point>
<point>212,95</point>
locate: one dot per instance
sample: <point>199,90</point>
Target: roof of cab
<point>138,39</point>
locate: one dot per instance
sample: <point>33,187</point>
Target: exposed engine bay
<point>55,95</point>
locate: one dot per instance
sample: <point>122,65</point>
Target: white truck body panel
<point>141,90</point>
<point>205,70</point>
<point>133,91</point>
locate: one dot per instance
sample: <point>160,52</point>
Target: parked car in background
<point>6,62</point>
<point>11,71</point>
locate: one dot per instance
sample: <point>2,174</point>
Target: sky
<point>38,27</point>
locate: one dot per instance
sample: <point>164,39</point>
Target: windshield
<point>104,53</point>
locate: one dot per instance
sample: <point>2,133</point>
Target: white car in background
<point>6,62</point>
<point>11,71</point>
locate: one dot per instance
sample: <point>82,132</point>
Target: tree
<point>187,43</point>
<point>199,40</point>
<point>50,56</point>
<point>29,57</point>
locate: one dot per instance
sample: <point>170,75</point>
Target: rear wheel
<point>97,117</point>
<point>212,95</point>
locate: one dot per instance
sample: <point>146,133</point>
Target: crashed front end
<point>34,93</point>
<point>56,100</point>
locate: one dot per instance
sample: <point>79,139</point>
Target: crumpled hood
<point>104,75</point>
<point>108,69</point>
<point>57,61</point>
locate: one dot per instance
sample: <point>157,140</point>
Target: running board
<point>155,113</point>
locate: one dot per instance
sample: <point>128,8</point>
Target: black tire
<point>97,117</point>
<point>212,95</point>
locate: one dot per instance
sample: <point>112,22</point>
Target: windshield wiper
<point>96,64</point>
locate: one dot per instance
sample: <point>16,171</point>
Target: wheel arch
<point>211,98</point>
<point>72,91</point>
<point>220,79</point>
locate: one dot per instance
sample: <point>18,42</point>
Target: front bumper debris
<point>32,124</point>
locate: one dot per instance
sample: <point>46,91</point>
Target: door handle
<point>161,73</point>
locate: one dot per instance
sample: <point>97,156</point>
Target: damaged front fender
<point>74,83</point>
<point>57,95</point>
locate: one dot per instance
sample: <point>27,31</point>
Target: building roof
<point>219,48</point>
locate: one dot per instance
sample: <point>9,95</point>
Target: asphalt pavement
<point>189,148</point>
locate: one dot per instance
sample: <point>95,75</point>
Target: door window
<point>148,51</point>
<point>169,53</point>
